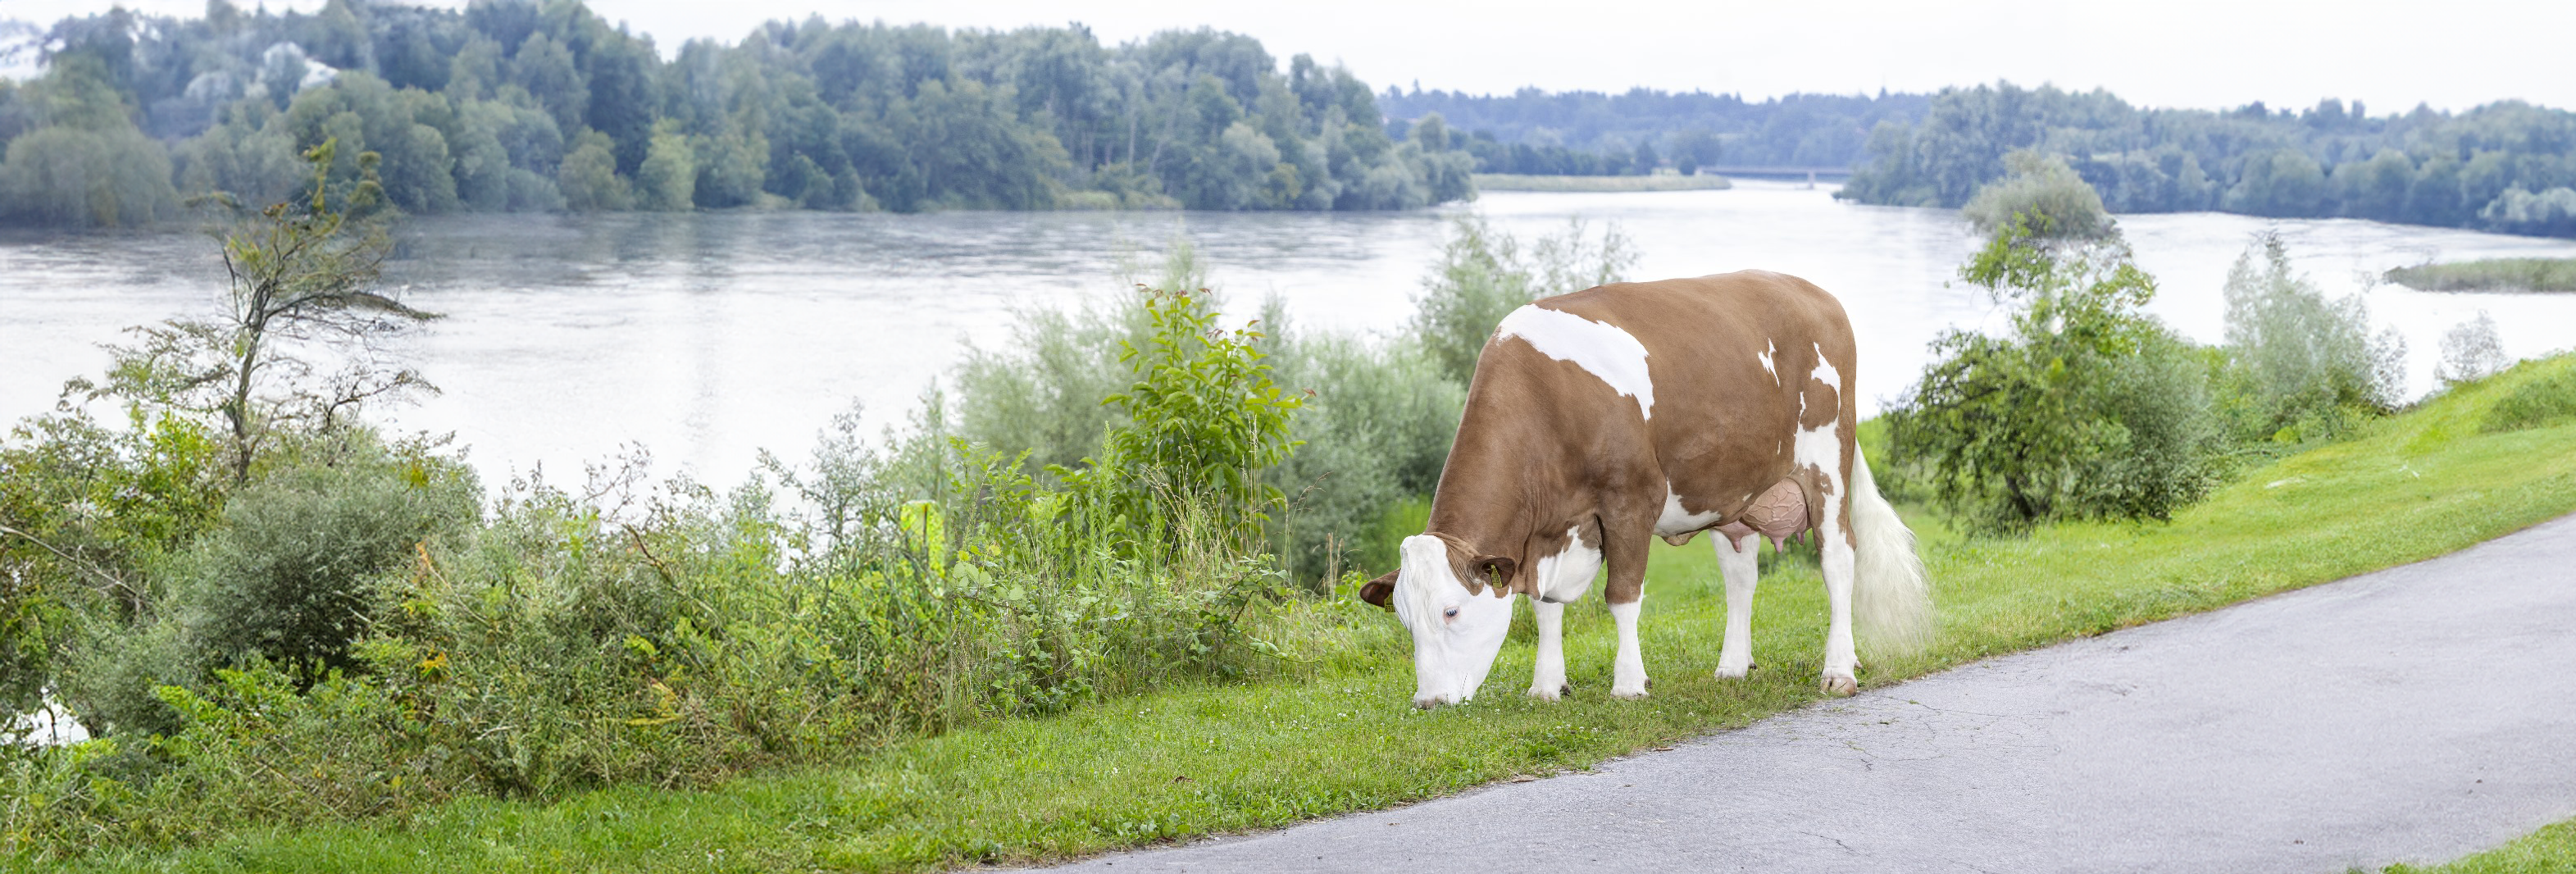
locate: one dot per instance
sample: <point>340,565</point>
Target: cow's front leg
<point>1625,553</point>
<point>1842,662</point>
<point>1547,683</point>
<point>1628,673</point>
<point>1738,561</point>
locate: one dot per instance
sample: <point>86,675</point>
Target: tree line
<point>2506,166</point>
<point>527,105</point>
<point>1590,133</point>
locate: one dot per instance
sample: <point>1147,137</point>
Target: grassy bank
<point>1195,759</point>
<point>2491,274</point>
<point>2548,851</point>
<point>1518,182</point>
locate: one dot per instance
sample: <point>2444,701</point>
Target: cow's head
<point>1458,605</point>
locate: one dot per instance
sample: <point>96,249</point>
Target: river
<point>704,338</point>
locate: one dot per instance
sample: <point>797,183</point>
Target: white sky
<point>2190,53</point>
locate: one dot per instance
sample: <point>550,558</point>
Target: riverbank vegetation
<point>1335,734</point>
<point>2490,274</point>
<point>2506,166</point>
<point>516,105</point>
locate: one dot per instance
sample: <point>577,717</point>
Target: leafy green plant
<point>1204,418</point>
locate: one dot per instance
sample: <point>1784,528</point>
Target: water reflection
<point>706,337</point>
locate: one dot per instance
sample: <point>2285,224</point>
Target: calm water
<point>704,338</point>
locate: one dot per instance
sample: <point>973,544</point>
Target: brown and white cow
<point>1601,419</point>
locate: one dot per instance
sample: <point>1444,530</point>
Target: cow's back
<point>1737,364</point>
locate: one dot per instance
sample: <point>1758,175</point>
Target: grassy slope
<point>2551,850</point>
<point>1192,761</point>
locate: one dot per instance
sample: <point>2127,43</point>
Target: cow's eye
<point>1451,613</point>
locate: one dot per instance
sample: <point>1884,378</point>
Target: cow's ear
<point>1380,591</point>
<point>1500,571</point>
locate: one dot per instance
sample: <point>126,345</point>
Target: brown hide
<point>1545,446</point>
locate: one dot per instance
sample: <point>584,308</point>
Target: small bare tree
<point>302,284</point>
<point>2471,351</point>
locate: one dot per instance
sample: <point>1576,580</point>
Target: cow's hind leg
<point>1741,567</point>
<point>1842,661</point>
<point>1547,683</point>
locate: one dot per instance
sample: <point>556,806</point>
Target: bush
<point>2086,408</point>
<point>1483,275</point>
<point>2542,402</point>
<point>2304,366</point>
<point>1048,395</point>
<point>1204,421</point>
<point>1375,430</point>
<point>87,512</point>
<point>2471,351</point>
<point>2058,203</point>
<point>289,575</point>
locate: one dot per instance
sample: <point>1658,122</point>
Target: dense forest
<point>1594,134</point>
<point>2505,166</point>
<point>523,105</point>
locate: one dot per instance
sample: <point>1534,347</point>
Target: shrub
<point>86,513</point>
<point>1375,430</point>
<point>2086,408</point>
<point>2544,401</point>
<point>2471,351</point>
<point>2056,202</point>
<point>1046,395</point>
<point>1483,275</point>
<point>289,575</point>
<point>2304,366</point>
<point>1204,420</point>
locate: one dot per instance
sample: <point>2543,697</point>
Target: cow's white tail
<point>1892,599</point>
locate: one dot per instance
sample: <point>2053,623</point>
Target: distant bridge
<point>1811,174</point>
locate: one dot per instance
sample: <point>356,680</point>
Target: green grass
<point>2492,274</point>
<point>1200,760</point>
<point>1518,182</point>
<point>2551,850</point>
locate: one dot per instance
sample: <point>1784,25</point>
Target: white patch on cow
<point>1565,576</point>
<point>1600,348</point>
<point>1765,356</point>
<point>1456,633</point>
<point>1628,672</point>
<point>1675,520</point>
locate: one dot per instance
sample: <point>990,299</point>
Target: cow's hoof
<point>1840,687</point>
<point>1735,672</point>
<point>1625,694</point>
<point>1546,693</point>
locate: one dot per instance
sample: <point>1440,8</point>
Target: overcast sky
<point>2190,53</point>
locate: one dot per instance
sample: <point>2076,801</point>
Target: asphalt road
<point>2415,715</point>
